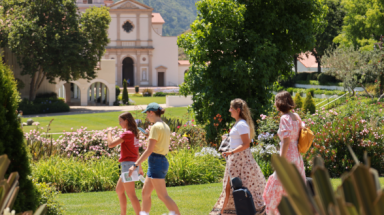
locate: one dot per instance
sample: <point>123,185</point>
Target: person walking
<point>240,162</point>
<point>158,147</point>
<point>128,156</point>
<point>289,131</point>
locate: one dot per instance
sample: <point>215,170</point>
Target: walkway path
<point>93,109</point>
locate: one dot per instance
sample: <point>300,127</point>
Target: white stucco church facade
<point>142,55</point>
<point>137,52</point>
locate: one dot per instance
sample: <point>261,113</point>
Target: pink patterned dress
<point>274,189</point>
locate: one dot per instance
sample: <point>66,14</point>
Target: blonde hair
<point>245,114</point>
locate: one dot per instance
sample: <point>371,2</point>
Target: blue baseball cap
<point>152,107</point>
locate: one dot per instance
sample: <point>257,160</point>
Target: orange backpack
<point>305,140</point>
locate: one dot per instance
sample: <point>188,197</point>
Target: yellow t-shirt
<point>162,134</point>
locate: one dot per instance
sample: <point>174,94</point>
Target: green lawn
<point>195,199</point>
<point>147,100</point>
<point>94,121</point>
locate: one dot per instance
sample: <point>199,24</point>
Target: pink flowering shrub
<point>359,123</point>
<point>88,144</point>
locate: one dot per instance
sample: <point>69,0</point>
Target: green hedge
<point>43,105</point>
<point>313,91</point>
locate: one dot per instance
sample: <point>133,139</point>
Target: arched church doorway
<point>71,93</point>
<point>98,94</point>
<point>128,71</point>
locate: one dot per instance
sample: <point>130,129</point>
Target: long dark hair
<point>131,123</point>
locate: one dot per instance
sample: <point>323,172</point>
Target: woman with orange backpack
<point>289,132</point>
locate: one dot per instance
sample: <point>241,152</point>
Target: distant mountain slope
<point>178,14</point>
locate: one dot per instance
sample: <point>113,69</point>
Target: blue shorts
<point>157,166</point>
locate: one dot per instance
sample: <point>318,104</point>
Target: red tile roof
<point>157,19</point>
<point>184,63</point>
<point>309,61</point>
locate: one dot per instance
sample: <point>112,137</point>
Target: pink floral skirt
<point>274,189</point>
<point>244,166</point>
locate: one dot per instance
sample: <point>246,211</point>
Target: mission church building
<point>143,56</point>
<point>137,52</point>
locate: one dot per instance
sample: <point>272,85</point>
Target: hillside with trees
<point>177,14</point>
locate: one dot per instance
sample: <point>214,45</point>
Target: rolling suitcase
<point>243,198</point>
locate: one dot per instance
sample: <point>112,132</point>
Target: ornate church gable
<point>129,4</point>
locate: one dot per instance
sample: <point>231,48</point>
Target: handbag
<point>305,140</point>
<point>225,146</point>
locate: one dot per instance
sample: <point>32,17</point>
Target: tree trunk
<point>366,91</point>
<point>318,65</point>
<point>382,95</point>
<point>295,63</point>
<point>32,94</point>
<point>35,84</point>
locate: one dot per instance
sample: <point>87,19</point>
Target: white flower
<point>208,151</point>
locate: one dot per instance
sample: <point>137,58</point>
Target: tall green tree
<point>238,48</point>
<point>324,39</point>
<point>52,39</point>
<point>363,23</point>
<point>12,141</point>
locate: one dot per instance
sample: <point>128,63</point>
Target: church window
<point>144,74</point>
<point>90,1</point>
<point>128,26</point>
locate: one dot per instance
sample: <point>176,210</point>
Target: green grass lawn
<point>94,121</point>
<point>147,100</point>
<point>195,199</point>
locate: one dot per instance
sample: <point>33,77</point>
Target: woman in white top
<point>240,162</point>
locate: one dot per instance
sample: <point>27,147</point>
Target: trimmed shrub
<point>290,90</point>
<point>12,141</point>
<point>137,89</point>
<point>117,88</point>
<point>309,104</point>
<point>51,95</point>
<point>159,94</point>
<point>43,105</point>
<point>125,97</point>
<point>302,76</point>
<point>147,92</point>
<point>137,95</point>
<point>298,101</point>
<point>325,79</point>
<point>312,91</point>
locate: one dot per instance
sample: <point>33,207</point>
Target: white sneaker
<point>143,213</point>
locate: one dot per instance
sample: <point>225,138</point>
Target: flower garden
<point>80,161</point>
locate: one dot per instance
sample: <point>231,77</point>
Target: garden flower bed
<point>358,123</point>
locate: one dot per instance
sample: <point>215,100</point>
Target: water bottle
<point>141,178</point>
